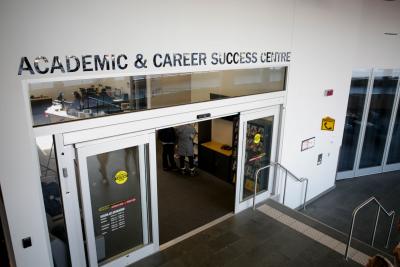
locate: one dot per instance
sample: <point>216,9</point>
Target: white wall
<point>222,131</point>
<point>374,49</point>
<point>327,37</point>
<point>330,39</point>
<point>48,28</point>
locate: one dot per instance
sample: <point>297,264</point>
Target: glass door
<point>378,121</point>
<point>257,148</point>
<point>392,155</point>
<point>353,123</point>
<point>370,139</point>
<point>119,198</point>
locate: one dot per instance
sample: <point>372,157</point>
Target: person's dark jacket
<point>167,135</point>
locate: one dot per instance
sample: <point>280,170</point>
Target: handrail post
<point>376,225</point>
<point>380,207</point>
<point>284,188</point>
<point>350,236</point>
<point>305,195</point>
<point>276,173</point>
<point>390,230</point>
<point>255,190</point>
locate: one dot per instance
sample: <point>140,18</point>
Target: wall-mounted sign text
<point>92,63</point>
<point>308,143</point>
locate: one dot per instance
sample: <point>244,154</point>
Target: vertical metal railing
<point>287,173</point>
<point>355,211</point>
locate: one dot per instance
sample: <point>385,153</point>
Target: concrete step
<point>319,231</point>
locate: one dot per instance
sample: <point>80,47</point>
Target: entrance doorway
<point>117,196</point>
<point>100,173</point>
<point>196,174</point>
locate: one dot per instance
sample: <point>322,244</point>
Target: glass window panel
<point>354,114</point>
<point>394,151</point>
<point>257,154</point>
<point>55,102</point>
<point>119,204</point>
<point>380,111</point>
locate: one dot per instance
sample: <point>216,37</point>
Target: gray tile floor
<point>336,207</point>
<point>185,202</point>
<point>250,238</point>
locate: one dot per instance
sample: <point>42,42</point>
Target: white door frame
<point>71,198</point>
<point>244,118</point>
<point>65,156</point>
<point>85,150</point>
<point>66,140</point>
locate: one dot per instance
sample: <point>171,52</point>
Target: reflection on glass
<point>394,151</point>
<point>257,154</point>
<point>380,111</point>
<point>53,201</point>
<point>55,102</point>
<point>119,204</point>
<point>355,110</point>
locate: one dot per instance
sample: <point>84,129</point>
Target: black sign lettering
<point>156,63</point>
<point>124,66</point>
<point>202,59</point>
<point>56,65</point>
<point>100,63</point>
<point>177,59</point>
<point>86,62</point>
<point>37,67</point>
<point>90,63</point>
<point>186,59</point>
<point>167,60</point>
<point>25,65</point>
<point>214,58</point>
<point>77,63</point>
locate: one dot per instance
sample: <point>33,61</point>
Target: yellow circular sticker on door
<point>121,177</point>
<point>257,138</point>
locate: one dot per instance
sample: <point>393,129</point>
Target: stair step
<point>321,228</point>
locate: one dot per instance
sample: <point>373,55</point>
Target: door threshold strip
<point>195,231</point>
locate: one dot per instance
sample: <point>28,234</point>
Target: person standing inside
<point>76,105</point>
<point>186,135</point>
<point>167,137</point>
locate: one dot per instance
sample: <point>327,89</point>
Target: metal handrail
<point>355,211</point>
<point>272,164</point>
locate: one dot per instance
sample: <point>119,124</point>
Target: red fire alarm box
<point>328,92</point>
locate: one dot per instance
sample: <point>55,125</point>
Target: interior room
<point>62,101</point>
<point>191,195</point>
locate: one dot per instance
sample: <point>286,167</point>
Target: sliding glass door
<point>393,153</point>
<point>258,135</point>
<point>354,117</point>
<point>369,139</point>
<point>118,193</point>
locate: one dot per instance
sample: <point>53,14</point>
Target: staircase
<point>311,228</point>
